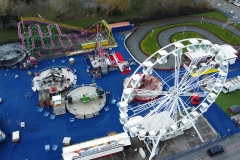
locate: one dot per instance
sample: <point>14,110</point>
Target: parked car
<point>231,12</point>
<point>215,151</point>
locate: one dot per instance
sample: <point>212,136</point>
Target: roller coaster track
<point>41,36</point>
<point>48,39</point>
<point>39,20</point>
<point>50,34</point>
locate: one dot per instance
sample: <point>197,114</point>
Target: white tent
<point>230,53</point>
<point>228,50</point>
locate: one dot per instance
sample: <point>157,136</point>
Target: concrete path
<point>133,41</point>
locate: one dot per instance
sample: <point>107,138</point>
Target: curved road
<point>164,38</point>
<point>133,42</point>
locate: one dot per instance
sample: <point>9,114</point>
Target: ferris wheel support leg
<point>154,148</point>
<point>199,135</point>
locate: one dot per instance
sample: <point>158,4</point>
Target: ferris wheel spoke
<point>194,83</point>
<point>187,94</point>
<point>164,81</point>
<point>200,72</point>
<point>184,78</point>
<point>154,93</point>
<point>183,105</point>
<point>158,121</point>
<point>177,69</point>
<point>155,105</point>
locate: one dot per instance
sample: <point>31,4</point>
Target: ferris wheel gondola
<point>168,110</point>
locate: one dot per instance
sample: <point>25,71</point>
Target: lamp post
<point>152,33</point>
<point>183,30</point>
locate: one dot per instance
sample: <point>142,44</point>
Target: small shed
<point>120,27</point>
<point>58,105</point>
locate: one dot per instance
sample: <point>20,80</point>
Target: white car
<point>231,12</point>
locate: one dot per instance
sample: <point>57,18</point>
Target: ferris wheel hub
<point>173,91</point>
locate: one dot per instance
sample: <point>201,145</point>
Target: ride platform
<point>62,77</point>
<point>84,102</point>
<point>151,86</point>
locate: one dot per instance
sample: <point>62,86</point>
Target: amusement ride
<point>167,110</point>
<point>46,38</point>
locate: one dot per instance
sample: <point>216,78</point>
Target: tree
<point>59,7</point>
<point>135,3</point>
<point>6,6</point>
<point>113,6</point>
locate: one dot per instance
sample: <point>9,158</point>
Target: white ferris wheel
<point>167,110</point>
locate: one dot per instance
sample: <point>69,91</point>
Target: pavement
<point>230,145</point>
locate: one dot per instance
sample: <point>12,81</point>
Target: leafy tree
<point>6,6</point>
<point>113,7</point>
<point>59,7</point>
<point>136,3</point>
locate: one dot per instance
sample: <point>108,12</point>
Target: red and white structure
<point>103,62</point>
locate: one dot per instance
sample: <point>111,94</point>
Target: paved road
<point>225,6</point>
<point>134,40</point>
<point>165,36</point>
<point>232,149</point>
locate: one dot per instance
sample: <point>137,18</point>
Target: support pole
<point>193,124</point>
<point>199,135</point>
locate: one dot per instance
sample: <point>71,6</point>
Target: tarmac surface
<point>134,40</point>
<point>231,150</point>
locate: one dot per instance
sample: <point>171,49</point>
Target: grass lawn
<point>226,100</point>
<point>179,36</point>
<point>8,34</point>
<point>216,15</point>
